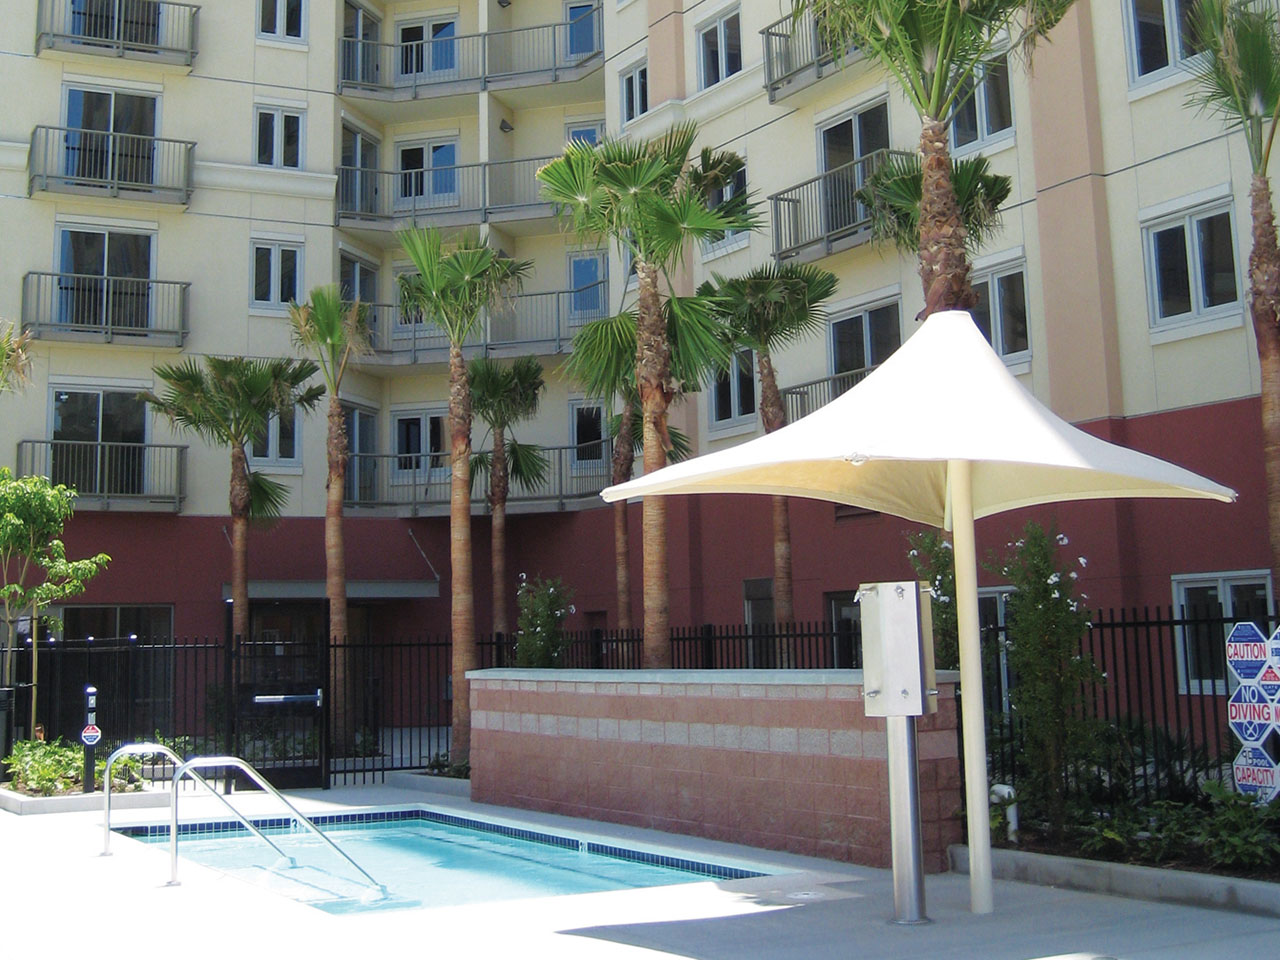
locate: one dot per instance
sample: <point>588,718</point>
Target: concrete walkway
<point>59,898</point>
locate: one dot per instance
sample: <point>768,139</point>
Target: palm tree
<point>229,401</point>
<point>453,290</point>
<point>15,358</point>
<point>503,396</point>
<point>649,199</point>
<point>934,49</point>
<point>765,310</point>
<point>1238,78</point>
<point>334,333</point>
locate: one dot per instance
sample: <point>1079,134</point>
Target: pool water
<point>428,864</point>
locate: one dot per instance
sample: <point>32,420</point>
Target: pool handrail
<point>196,763</point>
<point>142,749</point>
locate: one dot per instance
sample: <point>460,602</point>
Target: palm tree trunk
<point>1264,304</point>
<point>944,262</point>
<point>239,544</point>
<point>462,617</point>
<point>624,456</point>
<point>335,580</point>
<point>498,543</point>
<point>653,376</point>
<point>773,415</point>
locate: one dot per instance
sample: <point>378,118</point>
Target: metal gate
<point>279,710</point>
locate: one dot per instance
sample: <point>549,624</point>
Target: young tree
<point>765,310</point>
<point>649,199</point>
<point>933,50</point>
<point>1238,78</point>
<point>503,396</point>
<point>229,402</point>
<point>453,290</point>
<point>15,358</point>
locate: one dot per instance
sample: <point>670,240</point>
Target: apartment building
<point>172,176</point>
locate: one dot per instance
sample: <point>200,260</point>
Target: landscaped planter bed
<point>19,803</point>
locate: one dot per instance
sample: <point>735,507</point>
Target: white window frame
<point>1177,65</point>
<point>863,310</point>
<point>101,389</point>
<point>426,23</point>
<point>273,461</point>
<point>631,75</point>
<point>990,276</point>
<point>1199,312</point>
<point>275,246</point>
<point>602,465</point>
<point>431,473</point>
<point>428,197</point>
<point>718,24</point>
<point>277,146</point>
<point>595,125</point>
<point>732,239</point>
<point>602,260</point>
<point>566,54</point>
<point>365,263</point>
<point>1223,581</point>
<point>279,34</point>
<point>734,375</point>
<point>987,138</point>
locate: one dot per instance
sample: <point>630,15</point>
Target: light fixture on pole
<point>505,125</point>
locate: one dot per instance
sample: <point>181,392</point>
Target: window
<point>587,423</point>
<point>985,110</point>
<point>733,395</point>
<point>845,616</point>
<point>427,48</point>
<point>862,341</point>
<point>635,92</point>
<point>363,465</point>
<point>117,623</point>
<point>279,137</point>
<point>992,602</point>
<point>428,174</point>
<point>422,442</point>
<point>1217,600</point>
<point>281,19</point>
<point>110,137</point>
<point>582,23</point>
<point>845,149</point>
<point>590,132</point>
<point>731,239</point>
<point>1191,265</point>
<point>277,271</point>
<point>1001,312</point>
<point>279,443</point>
<point>98,442</point>
<point>358,280</point>
<point>104,279</point>
<point>720,50</point>
<point>587,295</point>
<point>1159,35</point>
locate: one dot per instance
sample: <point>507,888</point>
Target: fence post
<point>231,651</point>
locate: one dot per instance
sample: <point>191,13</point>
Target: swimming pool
<point>425,859</point>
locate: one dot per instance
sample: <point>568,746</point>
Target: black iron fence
<point>768,646</point>
<point>583,650</point>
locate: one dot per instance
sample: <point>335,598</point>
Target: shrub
<point>931,557</point>
<point>51,768</point>
<point>1239,833</point>
<point>540,637</point>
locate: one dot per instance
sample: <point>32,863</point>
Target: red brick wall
<point>785,760</point>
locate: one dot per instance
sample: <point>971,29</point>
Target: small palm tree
<point>453,290</point>
<point>503,396</point>
<point>229,401</point>
<point>334,333</point>
<point>1238,78</point>
<point>765,310</point>
<point>649,199</point>
<point>933,49</point>
<point>15,358</point>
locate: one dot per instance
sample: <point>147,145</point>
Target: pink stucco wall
<point>785,760</point>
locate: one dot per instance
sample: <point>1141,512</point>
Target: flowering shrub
<point>931,557</point>
<point>540,638</point>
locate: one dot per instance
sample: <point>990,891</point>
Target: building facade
<point>171,177</point>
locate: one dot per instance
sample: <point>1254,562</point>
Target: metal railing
<point>465,193</point>
<point>86,306</point>
<point>793,46</point>
<point>824,212</point>
<point>137,473</point>
<point>815,645</point>
<point>79,160</point>
<point>804,398</point>
<point>422,67</point>
<point>423,479</point>
<point>138,29</point>
<point>582,650</point>
<point>514,183</point>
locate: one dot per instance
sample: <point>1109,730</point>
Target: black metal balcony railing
<point>133,475</point>
<point>795,54</point>
<point>466,193</point>
<point>422,479</point>
<point>67,159</point>
<point>549,319</point>
<point>79,306</point>
<point>823,214</point>
<point>422,67</point>
<point>138,29</point>
<point>804,398</point>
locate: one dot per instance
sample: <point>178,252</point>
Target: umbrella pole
<point>973,719</point>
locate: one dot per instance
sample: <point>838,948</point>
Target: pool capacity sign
<point>1253,711</point>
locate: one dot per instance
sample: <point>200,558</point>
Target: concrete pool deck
<point>59,898</point>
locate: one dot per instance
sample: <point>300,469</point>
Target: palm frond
<point>772,306</point>
<point>527,464</point>
<point>15,358</point>
<point>267,499</point>
<point>332,330</point>
<point>681,445</point>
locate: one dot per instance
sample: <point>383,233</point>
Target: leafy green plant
<point>51,768</point>
<point>441,766</point>
<point>540,637</point>
<point>1237,832</point>
<point>931,557</point>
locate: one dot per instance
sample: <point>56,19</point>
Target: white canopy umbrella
<point>940,433</point>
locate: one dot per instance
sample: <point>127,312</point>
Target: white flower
<point>1004,597</point>
<point>946,545</point>
<point>1062,540</point>
<point>522,576</point>
<point>1073,575</point>
<point>1055,594</point>
<point>1053,578</point>
<point>944,599</point>
<point>912,553</point>
<point>1083,561</point>
<point>572,608</point>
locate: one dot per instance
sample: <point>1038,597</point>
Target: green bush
<point>540,637</point>
<point>1238,833</point>
<point>51,768</point>
<point>933,562</point>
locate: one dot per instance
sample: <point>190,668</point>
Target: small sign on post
<point>1253,713</point>
<point>90,735</point>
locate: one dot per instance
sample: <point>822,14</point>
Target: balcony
<point>542,323</point>
<point>795,55</point>
<point>385,201</point>
<point>419,483</point>
<point>111,476</point>
<point>153,31</point>
<point>804,398</point>
<point>529,56</point>
<point>94,309</point>
<point>103,163</point>
<point>823,215</point>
